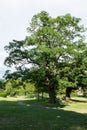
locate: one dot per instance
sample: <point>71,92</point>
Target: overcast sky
<point>15,16</point>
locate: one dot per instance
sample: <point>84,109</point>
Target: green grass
<point>77,104</point>
<point>20,114</point>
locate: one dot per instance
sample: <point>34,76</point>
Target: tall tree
<point>51,50</point>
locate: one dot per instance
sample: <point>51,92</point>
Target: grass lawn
<point>21,114</point>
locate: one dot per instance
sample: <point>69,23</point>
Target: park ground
<point>29,114</point>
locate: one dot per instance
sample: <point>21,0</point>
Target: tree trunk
<point>52,95</point>
<point>42,94</point>
<point>68,92</point>
<point>38,97</point>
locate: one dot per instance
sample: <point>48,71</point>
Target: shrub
<point>3,94</point>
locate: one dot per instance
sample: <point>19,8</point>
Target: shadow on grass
<point>76,100</point>
<point>14,116</point>
<point>44,103</point>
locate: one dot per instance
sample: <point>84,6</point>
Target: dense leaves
<point>54,53</point>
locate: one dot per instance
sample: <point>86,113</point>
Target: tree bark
<point>52,95</point>
<point>42,94</point>
<point>38,97</point>
<point>68,93</point>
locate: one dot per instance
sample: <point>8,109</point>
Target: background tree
<point>2,84</point>
<point>16,85</point>
<point>2,88</point>
<point>51,49</point>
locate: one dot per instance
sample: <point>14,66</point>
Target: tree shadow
<point>44,103</point>
<point>29,116</point>
<point>76,100</point>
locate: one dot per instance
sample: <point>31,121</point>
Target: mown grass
<point>77,104</point>
<point>19,114</point>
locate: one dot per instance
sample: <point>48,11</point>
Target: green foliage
<point>3,94</point>
<point>18,87</point>
<point>55,50</point>
<point>21,91</point>
<point>30,88</point>
<point>2,83</point>
<point>8,88</point>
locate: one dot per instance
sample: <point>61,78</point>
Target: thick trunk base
<point>52,95</point>
<point>68,93</point>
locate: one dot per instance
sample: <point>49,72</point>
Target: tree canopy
<point>52,55</point>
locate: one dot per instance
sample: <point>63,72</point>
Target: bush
<point>3,94</point>
<point>12,94</point>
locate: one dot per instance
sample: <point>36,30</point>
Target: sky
<point>15,16</point>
